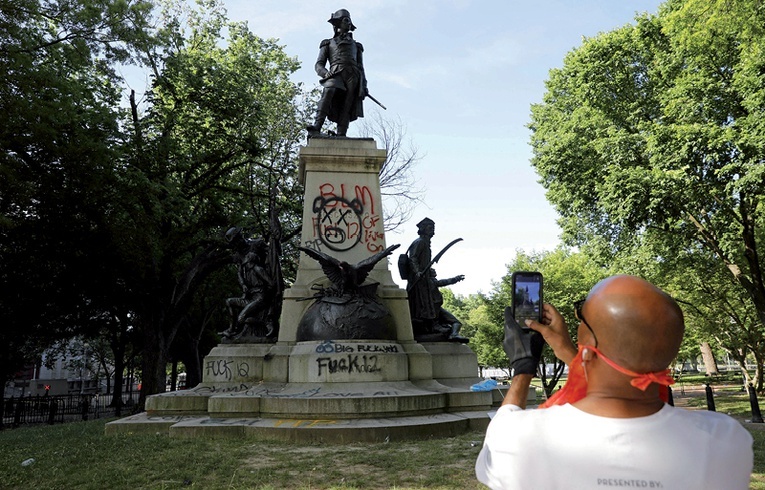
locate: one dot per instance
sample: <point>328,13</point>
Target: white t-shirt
<point>562,447</point>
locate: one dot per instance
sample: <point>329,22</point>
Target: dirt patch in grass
<point>259,461</point>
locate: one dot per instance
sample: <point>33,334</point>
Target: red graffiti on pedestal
<point>341,222</point>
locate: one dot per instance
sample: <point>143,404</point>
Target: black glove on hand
<point>523,347</point>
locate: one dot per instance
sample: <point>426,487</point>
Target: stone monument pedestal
<point>339,389</point>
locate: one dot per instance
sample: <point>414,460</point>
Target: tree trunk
<point>695,365</point>
<point>710,363</point>
<point>154,373</point>
<point>153,362</point>
<point>119,369</point>
<point>103,365</point>
<point>131,380</point>
<point>549,383</point>
<point>160,321</point>
<point>193,364</point>
<point>193,360</point>
<point>758,374</point>
<point>2,400</point>
<point>174,375</point>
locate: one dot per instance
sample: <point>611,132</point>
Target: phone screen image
<point>527,297</point>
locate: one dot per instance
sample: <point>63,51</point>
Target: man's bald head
<point>637,324</point>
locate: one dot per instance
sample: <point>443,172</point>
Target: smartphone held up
<point>527,297</point>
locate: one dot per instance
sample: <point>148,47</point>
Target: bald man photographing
<point>609,426</point>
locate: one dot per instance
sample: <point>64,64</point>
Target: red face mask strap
<point>640,381</point>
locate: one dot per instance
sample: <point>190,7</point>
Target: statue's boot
<point>342,126</point>
<point>455,336</point>
<point>315,128</point>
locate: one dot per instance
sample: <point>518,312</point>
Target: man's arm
<point>524,350</point>
<point>555,333</point>
<point>363,91</point>
<point>321,61</point>
<point>518,392</point>
<point>448,282</point>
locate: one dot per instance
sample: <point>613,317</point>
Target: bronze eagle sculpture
<point>345,277</point>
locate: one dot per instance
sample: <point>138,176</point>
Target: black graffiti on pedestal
<point>225,368</point>
<point>332,347</point>
<point>212,389</point>
<point>349,364</point>
<point>338,222</point>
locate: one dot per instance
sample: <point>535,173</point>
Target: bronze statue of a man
<point>430,321</point>
<point>420,288</point>
<point>345,85</point>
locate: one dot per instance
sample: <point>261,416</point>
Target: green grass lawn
<point>79,455</point>
<point>727,378</point>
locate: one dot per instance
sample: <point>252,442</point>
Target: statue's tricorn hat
<point>337,16</point>
<point>425,222</point>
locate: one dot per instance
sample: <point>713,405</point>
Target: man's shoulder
<point>714,423</point>
<point>417,243</point>
<point>324,43</point>
<point>523,417</point>
<point>531,423</point>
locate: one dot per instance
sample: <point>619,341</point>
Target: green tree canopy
<point>112,217</point>
<point>568,277</point>
<point>59,99</point>
<point>651,137</point>
<point>215,146</point>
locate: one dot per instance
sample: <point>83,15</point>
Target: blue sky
<point>461,75</point>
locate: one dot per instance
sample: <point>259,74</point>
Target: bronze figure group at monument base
<point>254,316</point>
<point>347,309</point>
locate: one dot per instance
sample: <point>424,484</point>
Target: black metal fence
<point>59,409</point>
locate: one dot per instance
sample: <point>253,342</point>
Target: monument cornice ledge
<point>347,155</point>
<point>346,166</point>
